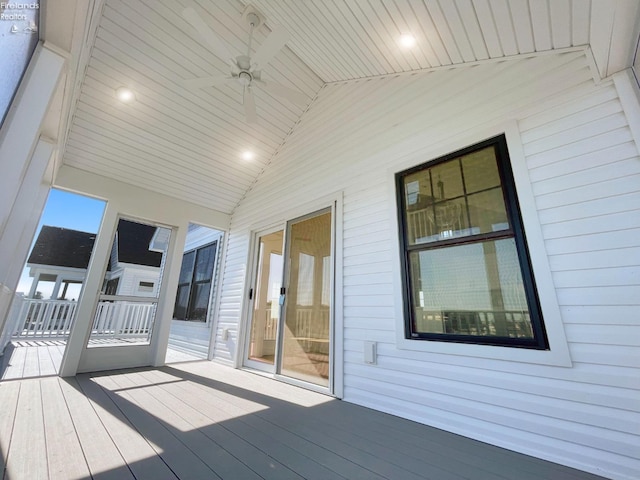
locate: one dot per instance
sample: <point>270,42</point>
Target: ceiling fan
<point>245,69</point>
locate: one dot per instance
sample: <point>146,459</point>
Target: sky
<point>68,210</point>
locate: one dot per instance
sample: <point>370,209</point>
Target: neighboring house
<point>62,255</point>
<point>135,260</point>
<point>449,233</point>
<point>59,255</point>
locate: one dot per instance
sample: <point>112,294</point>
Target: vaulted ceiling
<point>188,142</point>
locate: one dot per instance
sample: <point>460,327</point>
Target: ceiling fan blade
<point>215,81</point>
<point>249,106</point>
<point>287,93</point>
<point>216,44</point>
<point>271,45</point>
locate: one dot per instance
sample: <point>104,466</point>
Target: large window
<point>466,270</point>
<point>194,286</point>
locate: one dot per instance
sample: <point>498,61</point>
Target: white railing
<point>312,323</point>
<point>123,320</point>
<point>41,319</point>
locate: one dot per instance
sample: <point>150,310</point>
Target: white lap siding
<point>585,176</point>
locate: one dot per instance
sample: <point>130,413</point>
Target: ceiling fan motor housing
<point>245,78</point>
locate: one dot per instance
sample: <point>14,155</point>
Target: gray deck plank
<point>182,461</point>
<point>65,457</point>
<point>199,420</point>
<point>207,419</point>
<point>374,432</point>
<point>310,423</point>
<point>47,368</point>
<point>102,457</point>
<point>255,428</point>
<point>134,448</point>
<point>31,363</point>
<point>28,436</point>
<point>9,392</point>
<point>215,455</point>
<point>15,363</point>
<point>297,453</point>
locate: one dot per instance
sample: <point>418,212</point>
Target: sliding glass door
<point>290,328</point>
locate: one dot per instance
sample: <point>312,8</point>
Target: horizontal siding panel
<point>606,156</point>
<point>367,289</point>
<point>380,247</point>
<point>601,277</point>
<point>365,300</point>
<point>359,259</point>
<point>370,311</point>
<point>478,395</point>
<point>621,186</point>
<point>370,334</point>
<point>597,241</point>
<point>592,374</point>
<point>627,295</point>
<point>376,278</point>
<point>590,177</point>
<point>600,315</point>
<point>622,356</point>
<point>615,222</point>
<point>582,147</point>
<point>566,112</point>
<point>623,335</point>
<point>592,208</point>
<point>622,398</point>
<point>368,323</point>
<point>577,133</point>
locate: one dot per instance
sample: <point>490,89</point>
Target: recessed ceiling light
<point>248,155</point>
<point>407,41</point>
<point>125,95</point>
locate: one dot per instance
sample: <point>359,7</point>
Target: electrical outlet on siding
<point>370,353</point>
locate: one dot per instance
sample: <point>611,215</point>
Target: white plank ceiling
<point>187,143</point>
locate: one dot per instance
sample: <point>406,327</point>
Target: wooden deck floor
<point>205,421</point>
<point>42,358</point>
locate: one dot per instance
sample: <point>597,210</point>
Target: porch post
<point>167,295</point>
<point>34,285</point>
<point>56,288</point>
<point>81,329</point>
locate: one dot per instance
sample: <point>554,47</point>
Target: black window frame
<point>539,340</point>
<point>192,282</point>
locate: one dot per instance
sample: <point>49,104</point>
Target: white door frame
<point>253,277</point>
<point>270,225</point>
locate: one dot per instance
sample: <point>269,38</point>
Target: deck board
<point>134,448</point>
<point>64,452</point>
<point>151,424</point>
<point>269,439</point>
<point>203,420</point>
<point>28,436</point>
<point>13,362</point>
<point>102,456</point>
<point>46,366</point>
<point>9,402</point>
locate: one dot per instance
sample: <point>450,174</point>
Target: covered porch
<point>201,420</point>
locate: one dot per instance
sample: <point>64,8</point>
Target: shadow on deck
<point>205,421</point>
